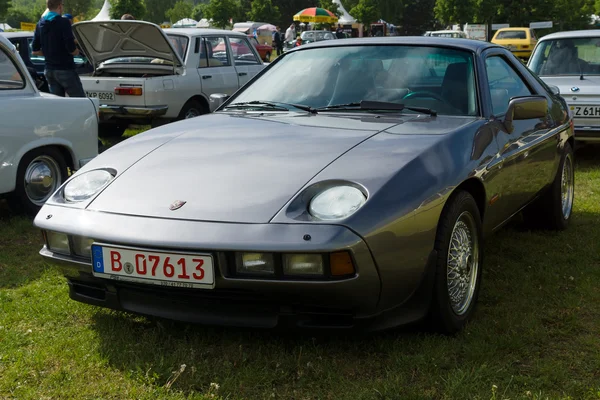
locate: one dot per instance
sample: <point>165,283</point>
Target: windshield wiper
<point>274,105</point>
<point>378,106</point>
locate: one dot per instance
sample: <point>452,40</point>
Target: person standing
<point>278,41</point>
<point>290,33</point>
<point>53,38</point>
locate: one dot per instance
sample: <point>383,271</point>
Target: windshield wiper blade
<point>274,105</point>
<point>380,106</point>
<point>257,103</point>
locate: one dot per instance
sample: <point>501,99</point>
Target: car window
<point>511,35</point>
<point>504,83</point>
<point>79,60</point>
<point>10,75</point>
<point>567,57</point>
<point>214,52</point>
<point>442,79</point>
<point>242,52</point>
<point>180,44</point>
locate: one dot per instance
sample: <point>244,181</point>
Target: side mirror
<point>554,89</point>
<point>527,107</point>
<point>217,99</point>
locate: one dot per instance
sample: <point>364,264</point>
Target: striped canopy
<point>316,15</point>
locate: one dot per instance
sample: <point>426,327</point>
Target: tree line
<point>412,17</point>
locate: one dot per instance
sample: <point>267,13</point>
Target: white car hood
<point>104,40</point>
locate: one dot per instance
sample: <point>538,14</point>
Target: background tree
<point>366,12</point>
<point>182,9</point>
<point>15,16</point>
<point>220,11</point>
<point>133,7</point>
<point>199,11</point>
<point>263,11</point>
<point>455,11</point>
<point>288,8</point>
<point>78,7</point>
<point>414,17</point>
<point>156,10</point>
<point>331,6</point>
<point>4,6</point>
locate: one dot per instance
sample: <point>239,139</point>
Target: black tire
<point>460,215</point>
<point>191,109</point>
<point>549,211</point>
<point>32,164</point>
<point>111,130</point>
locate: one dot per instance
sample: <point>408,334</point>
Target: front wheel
<point>40,173</point>
<point>459,246</point>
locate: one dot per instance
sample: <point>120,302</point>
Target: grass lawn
<point>535,335</point>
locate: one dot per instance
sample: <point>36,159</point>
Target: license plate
<point>586,111</point>
<point>185,270</point>
<point>106,96</point>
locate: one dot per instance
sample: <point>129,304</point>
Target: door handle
<point>206,76</point>
<point>242,74</point>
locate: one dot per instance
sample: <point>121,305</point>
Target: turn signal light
<point>128,91</point>
<point>341,264</point>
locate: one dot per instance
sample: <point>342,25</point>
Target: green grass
<point>535,334</point>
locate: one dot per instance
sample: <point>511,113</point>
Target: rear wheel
<point>458,244</point>
<point>553,210</point>
<point>40,174</point>
<point>192,109</point>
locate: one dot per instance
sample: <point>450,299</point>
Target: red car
<point>263,49</point>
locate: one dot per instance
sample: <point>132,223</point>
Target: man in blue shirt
<point>54,40</point>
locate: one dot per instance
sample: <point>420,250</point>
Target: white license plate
<point>586,111</point>
<point>102,96</point>
<point>185,270</point>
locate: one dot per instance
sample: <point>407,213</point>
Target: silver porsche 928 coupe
<point>349,184</point>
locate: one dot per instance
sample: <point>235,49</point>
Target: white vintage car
<point>146,75</point>
<point>42,136</point>
<point>570,61</point>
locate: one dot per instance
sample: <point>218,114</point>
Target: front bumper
<point>111,111</point>
<point>233,301</point>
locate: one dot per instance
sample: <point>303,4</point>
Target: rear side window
<point>11,77</point>
<point>242,53</point>
<point>512,35</point>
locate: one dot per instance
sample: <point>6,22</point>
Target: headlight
<point>86,185</point>
<point>58,242</point>
<point>336,203</point>
<point>255,263</point>
<point>303,264</point>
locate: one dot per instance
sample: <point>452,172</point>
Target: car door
<point>215,69</point>
<point>245,58</point>
<point>527,153</point>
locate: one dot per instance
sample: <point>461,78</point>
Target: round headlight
<point>86,185</point>
<point>336,203</point>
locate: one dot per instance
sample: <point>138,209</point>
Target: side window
<point>504,83</point>
<point>214,52</point>
<point>10,76</point>
<point>242,52</point>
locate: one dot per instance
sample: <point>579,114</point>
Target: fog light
<point>255,264</point>
<point>303,264</point>
<point>82,246</point>
<point>341,264</point>
<point>58,243</point>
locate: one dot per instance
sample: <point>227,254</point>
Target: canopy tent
<point>346,18</point>
<point>204,23</point>
<point>104,14</point>
<point>185,23</point>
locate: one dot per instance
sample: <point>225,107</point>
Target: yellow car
<point>520,41</point>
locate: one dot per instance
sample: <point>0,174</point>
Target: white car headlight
<point>86,185</point>
<point>336,203</point>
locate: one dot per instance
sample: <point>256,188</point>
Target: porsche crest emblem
<point>176,205</point>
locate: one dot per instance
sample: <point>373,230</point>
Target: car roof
<point>202,31</point>
<point>572,34</point>
<point>462,44</point>
<point>516,28</point>
<point>11,35</point>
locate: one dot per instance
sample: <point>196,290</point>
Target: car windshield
<point>437,78</point>
<point>511,35</point>
<point>567,57</point>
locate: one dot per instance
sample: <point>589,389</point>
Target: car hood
<point>104,40</point>
<point>572,85</point>
<point>238,168</point>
